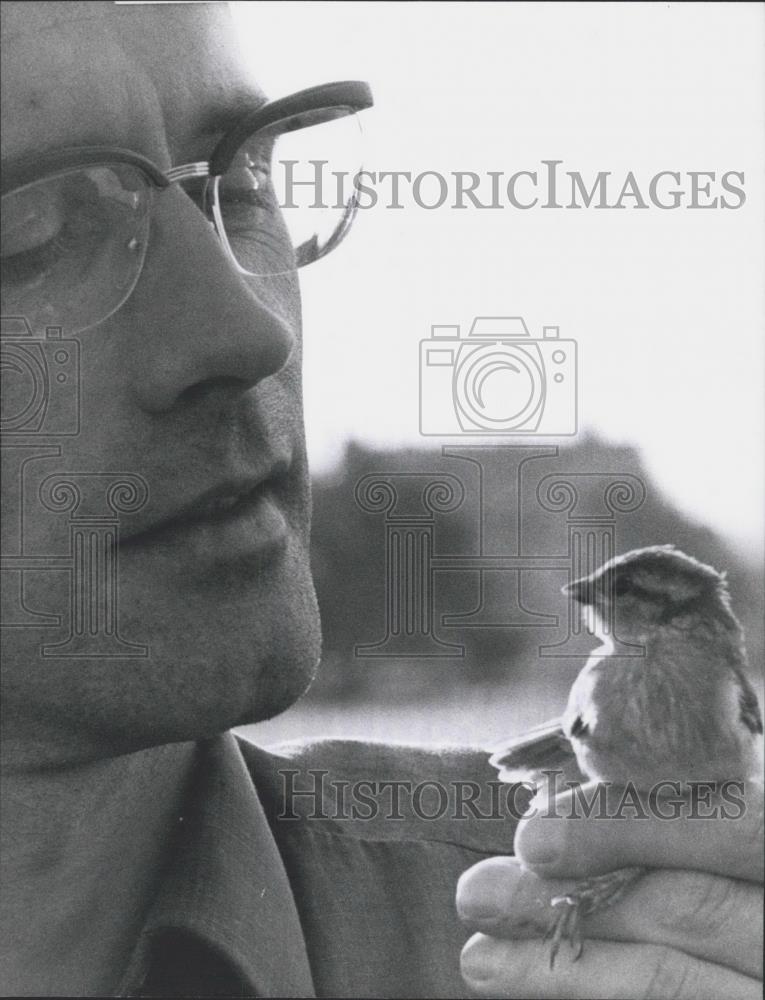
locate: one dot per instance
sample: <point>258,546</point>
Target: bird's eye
<point>579,727</point>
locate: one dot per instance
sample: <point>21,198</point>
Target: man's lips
<point>227,502</point>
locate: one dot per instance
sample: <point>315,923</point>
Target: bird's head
<point>654,586</point>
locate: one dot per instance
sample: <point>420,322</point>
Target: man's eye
<point>258,175</point>
<point>31,219</point>
<point>248,182</point>
<point>47,222</point>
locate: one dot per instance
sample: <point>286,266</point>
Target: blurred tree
<point>348,556</point>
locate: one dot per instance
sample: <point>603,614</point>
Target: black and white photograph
<point>383,499</point>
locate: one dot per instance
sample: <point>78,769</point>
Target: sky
<point>666,307</point>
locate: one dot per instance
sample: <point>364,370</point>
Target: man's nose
<point>196,320</point>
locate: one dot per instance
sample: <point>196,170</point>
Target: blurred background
<point>667,309</point>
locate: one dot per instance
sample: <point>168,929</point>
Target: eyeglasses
<point>76,224</point>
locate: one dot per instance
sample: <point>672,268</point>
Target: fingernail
<point>477,960</point>
<point>541,841</point>
<point>484,903</point>
<point>483,894</point>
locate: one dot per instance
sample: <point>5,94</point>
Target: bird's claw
<point>585,898</point>
<point>566,924</point>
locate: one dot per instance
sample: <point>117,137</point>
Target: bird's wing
<point>543,748</point>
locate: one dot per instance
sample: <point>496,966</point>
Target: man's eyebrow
<point>214,121</point>
<point>219,117</point>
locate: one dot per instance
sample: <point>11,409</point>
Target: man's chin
<point>237,700</point>
<point>196,681</point>
<point>247,670</point>
<point>241,649</point>
<point>158,705</point>
<point>279,685</point>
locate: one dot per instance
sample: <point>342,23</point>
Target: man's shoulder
<point>374,838</point>
<point>386,792</point>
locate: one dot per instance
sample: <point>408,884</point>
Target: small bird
<point>685,711</point>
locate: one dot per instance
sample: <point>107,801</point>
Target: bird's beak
<point>581,590</point>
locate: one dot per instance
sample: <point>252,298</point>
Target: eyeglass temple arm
<point>318,104</point>
<point>336,99</point>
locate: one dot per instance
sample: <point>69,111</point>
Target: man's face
<point>192,387</point>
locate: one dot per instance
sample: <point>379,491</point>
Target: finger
<point>709,917</point>
<point>566,842</point>
<point>606,971</point>
<point>498,896</point>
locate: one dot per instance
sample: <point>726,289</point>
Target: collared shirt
<point>321,870</point>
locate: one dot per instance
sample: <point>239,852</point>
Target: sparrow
<point>684,711</point>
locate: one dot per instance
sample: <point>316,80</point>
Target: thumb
<point>595,828</point>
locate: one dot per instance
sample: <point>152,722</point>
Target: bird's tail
<point>539,749</point>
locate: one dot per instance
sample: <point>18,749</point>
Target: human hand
<point>691,928</point>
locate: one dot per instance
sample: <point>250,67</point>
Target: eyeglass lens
<point>73,244</point>
<point>288,193</point>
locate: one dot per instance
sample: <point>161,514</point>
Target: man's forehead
<point>133,75</point>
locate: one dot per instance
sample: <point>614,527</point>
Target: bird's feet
<point>586,897</point>
<point>566,924</point>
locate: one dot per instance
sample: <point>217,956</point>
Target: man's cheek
<point>280,293</point>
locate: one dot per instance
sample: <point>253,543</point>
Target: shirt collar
<point>226,882</point>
